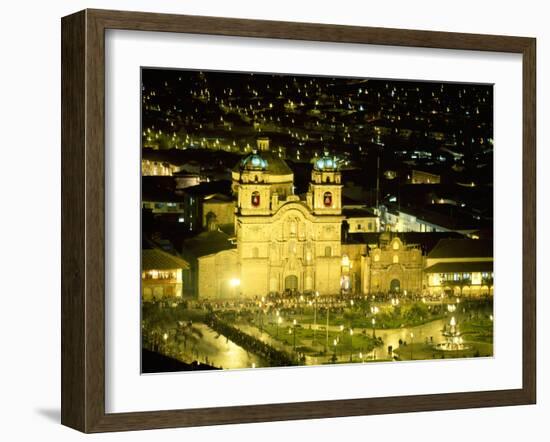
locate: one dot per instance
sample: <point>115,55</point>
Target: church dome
<point>266,162</point>
<point>325,163</point>
<point>254,161</point>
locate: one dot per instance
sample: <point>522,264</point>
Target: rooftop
<point>462,248</point>
<point>426,240</point>
<point>156,259</point>
<point>221,187</point>
<point>208,243</point>
<point>358,213</point>
<point>460,267</point>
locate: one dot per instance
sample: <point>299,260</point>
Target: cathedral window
<point>293,228</point>
<point>328,251</point>
<point>327,199</point>
<point>395,259</point>
<point>255,198</point>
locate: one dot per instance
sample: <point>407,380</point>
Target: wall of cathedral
<point>217,275</point>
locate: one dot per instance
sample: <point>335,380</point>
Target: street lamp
<point>374,310</point>
<point>165,346</point>
<point>351,345</point>
<point>315,316</point>
<point>294,328</point>
<point>342,332</point>
<point>412,337</point>
<point>326,342</point>
<point>235,282</point>
<point>279,321</point>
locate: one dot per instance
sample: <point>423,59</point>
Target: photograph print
<point>291,220</point>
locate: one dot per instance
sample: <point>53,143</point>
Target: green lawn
<point>304,340</point>
<point>479,330</point>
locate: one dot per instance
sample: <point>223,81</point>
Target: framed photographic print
<point>267,221</point>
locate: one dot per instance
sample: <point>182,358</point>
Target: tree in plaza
<point>417,312</point>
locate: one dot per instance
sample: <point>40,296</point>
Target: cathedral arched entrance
<point>291,282</point>
<point>395,286</point>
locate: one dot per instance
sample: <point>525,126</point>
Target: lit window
<point>345,261</point>
<point>395,259</point>
<point>255,198</point>
<point>376,257</point>
<point>395,245</point>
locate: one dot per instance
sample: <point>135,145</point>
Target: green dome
<point>325,163</point>
<point>253,161</point>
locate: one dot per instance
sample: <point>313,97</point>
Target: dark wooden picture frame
<point>83,220</point>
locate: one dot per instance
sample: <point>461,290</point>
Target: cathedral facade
<point>285,242</point>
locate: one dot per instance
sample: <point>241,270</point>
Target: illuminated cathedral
<point>285,242</point>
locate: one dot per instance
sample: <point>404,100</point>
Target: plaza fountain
<point>453,337</point>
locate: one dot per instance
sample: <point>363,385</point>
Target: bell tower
<point>326,186</point>
<point>253,189</point>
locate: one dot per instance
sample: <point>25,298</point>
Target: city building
<point>163,203</point>
<point>460,267</point>
<point>205,200</point>
<point>157,168</point>
<point>417,219</point>
<point>162,275</point>
<point>361,220</point>
<point>217,208</point>
<point>423,177</point>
